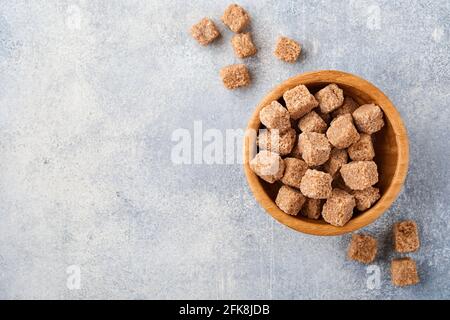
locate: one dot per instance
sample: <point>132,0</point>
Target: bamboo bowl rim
<point>320,228</point>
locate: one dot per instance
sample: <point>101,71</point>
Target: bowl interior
<point>386,144</point>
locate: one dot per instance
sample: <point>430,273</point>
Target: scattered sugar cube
<point>268,166</point>
<point>406,236</point>
<point>314,147</point>
<point>404,272</point>
<point>299,101</point>
<point>348,106</point>
<point>363,248</point>
<point>235,18</point>
<point>316,184</point>
<point>330,98</point>
<point>362,149</point>
<point>368,118</point>
<point>312,122</point>
<point>205,31</point>
<point>275,116</point>
<point>289,200</point>
<point>293,172</point>
<point>366,198</point>
<point>243,45</point>
<point>338,157</point>
<point>287,49</point>
<point>359,175</point>
<point>235,76</point>
<point>338,209</point>
<point>342,133</point>
<point>312,208</point>
<point>273,140</point>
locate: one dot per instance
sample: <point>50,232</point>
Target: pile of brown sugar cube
<point>363,248</point>
<point>237,20</point>
<point>320,148</point>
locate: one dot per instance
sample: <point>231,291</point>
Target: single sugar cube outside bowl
<point>406,236</point>
<point>390,144</point>
<point>404,272</point>
<point>235,76</point>
<point>363,248</point>
<point>236,18</point>
<point>205,31</point>
<point>243,45</point>
<point>287,49</point>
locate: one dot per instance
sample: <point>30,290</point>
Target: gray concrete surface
<point>90,94</point>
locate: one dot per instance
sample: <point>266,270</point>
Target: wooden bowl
<point>390,143</point>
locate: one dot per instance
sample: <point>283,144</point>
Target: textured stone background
<point>90,93</point>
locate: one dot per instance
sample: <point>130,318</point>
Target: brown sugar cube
<point>348,106</point>
<point>368,118</point>
<point>363,248</point>
<point>235,76</point>
<point>312,122</point>
<point>330,98</point>
<point>342,133</point>
<point>338,157</point>
<point>243,45</point>
<point>205,31</point>
<point>235,18</point>
<point>404,272</point>
<point>366,198</point>
<point>362,150</point>
<point>316,184</point>
<point>293,172</point>
<point>359,175</point>
<point>299,101</point>
<point>312,208</point>
<point>314,147</point>
<point>287,49</point>
<point>406,236</point>
<point>338,209</point>
<point>275,116</point>
<point>273,140</point>
<point>268,166</point>
<point>289,200</point>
